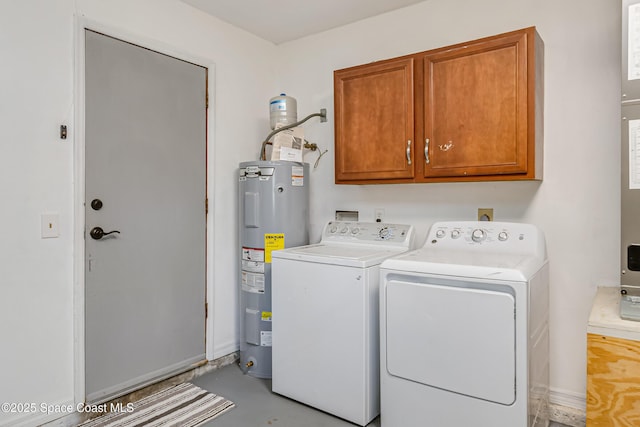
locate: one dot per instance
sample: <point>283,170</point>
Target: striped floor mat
<point>184,405</point>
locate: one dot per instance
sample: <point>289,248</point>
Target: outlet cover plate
<point>49,226</point>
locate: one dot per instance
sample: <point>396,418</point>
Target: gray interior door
<point>145,124</point>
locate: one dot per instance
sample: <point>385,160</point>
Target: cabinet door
<point>613,381</point>
<point>374,123</point>
<point>477,108</point>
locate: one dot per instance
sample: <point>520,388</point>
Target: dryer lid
<point>461,340</point>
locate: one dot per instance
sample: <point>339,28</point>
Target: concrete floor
<point>257,406</point>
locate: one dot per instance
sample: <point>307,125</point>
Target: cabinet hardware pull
<point>409,152</point>
<point>426,150</point>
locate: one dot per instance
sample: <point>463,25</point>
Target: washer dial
<point>478,235</point>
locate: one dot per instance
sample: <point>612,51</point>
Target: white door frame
<point>82,23</point>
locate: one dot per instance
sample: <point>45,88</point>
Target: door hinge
<point>206,206</point>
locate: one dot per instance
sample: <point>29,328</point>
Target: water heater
<point>274,214</point>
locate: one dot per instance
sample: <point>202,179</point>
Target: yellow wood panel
<point>613,382</point>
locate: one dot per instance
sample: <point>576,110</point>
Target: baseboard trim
<point>227,348</point>
<point>567,407</point>
<point>31,420</point>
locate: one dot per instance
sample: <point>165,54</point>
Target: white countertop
<point>605,316</point>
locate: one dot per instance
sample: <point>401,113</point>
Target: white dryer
<point>464,329</point>
<point>325,301</point>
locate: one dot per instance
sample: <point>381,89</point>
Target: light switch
<point>49,227</point>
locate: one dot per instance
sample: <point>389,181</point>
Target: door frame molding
<point>81,24</point>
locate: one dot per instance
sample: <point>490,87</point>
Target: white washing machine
<point>325,301</point>
<point>464,329</point>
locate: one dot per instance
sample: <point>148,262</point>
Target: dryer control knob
<point>355,231</point>
<point>333,229</point>
<point>478,235</point>
<point>440,234</point>
<point>455,234</point>
<point>502,236</point>
<point>344,230</point>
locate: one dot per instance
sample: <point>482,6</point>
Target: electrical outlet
<point>378,215</point>
<point>485,214</point>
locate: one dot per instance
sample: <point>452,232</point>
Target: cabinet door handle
<point>409,152</point>
<point>426,150</point>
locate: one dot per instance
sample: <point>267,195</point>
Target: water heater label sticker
<point>253,254</point>
<point>265,338</point>
<point>297,176</point>
<point>266,316</point>
<point>634,154</point>
<point>253,266</point>
<point>272,242</point>
<point>253,282</point>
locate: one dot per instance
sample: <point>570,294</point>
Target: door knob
<point>98,233</point>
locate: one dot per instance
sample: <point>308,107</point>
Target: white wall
<point>577,204</point>
<point>37,92</point>
<point>35,177</point>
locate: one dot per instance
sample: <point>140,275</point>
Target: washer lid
<point>339,254</point>
<point>475,264</point>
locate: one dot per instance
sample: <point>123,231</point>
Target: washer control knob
<point>440,234</point>
<point>355,231</point>
<point>455,234</point>
<point>478,235</point>
<point>343,230</point>
<point>502,236</point>
<point>333,229</point>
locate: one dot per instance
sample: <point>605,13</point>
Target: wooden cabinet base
<point>613,382</point>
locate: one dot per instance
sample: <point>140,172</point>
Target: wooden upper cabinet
<point>478,114</point>
<point>374,122</point>
<point>480,109</point>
